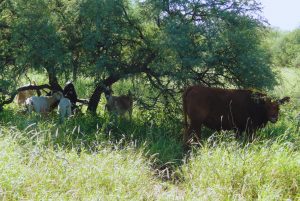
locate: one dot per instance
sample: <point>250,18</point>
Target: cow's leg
<point>251,134</point>
<point>238,133</point>
<point>190,137</point>
<point>187,135</point>
<point>196,132</point>
<point>244,135</point>
<point>250,131</point>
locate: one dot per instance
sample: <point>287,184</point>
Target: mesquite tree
<point>169,43</point>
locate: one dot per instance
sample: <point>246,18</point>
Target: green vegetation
<point>33,172</point>
<point>284,48</point>
<point>289,79</point>
<point>154,49</point>
<point>107,158</point>
<point>166,44</point>
<point>229,172</point>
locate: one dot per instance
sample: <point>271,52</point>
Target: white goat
<point>42,104</point>
<point>64,108</point>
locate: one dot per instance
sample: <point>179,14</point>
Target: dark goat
<point>70,93</point>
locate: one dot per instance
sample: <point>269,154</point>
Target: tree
<point>7,57</point>
<point>285,48</point>
<point>169,43</point>
<point>184,42</point>
<point>39,39</point>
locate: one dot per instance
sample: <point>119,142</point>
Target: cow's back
<point>218,108</point>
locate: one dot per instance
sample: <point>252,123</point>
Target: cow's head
<point>272,108</point>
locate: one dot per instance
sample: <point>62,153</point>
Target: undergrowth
<point>104,157</point>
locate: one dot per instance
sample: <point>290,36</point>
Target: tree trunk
<point>135,69</point>
<point>95,98</point>
<point>53,79</point>
<point>75,65</point>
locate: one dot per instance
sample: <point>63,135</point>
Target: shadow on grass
<point>160,139</point>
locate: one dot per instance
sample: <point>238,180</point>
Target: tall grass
<point>103,157</point>
<point>33,172</point>
<point>232,172</point>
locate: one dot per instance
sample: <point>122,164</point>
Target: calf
<point>64,108</point>
<point>119,104</point>
<point>42,104</point>
<point>227,109</point>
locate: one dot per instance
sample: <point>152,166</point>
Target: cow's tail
<point>184,103</point>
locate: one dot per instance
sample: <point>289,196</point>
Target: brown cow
<point>227,109</point>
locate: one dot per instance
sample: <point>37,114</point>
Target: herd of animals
<point>218,109</point>
<point>65,101</point>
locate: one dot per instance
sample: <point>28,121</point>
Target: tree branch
<point>24,88</point>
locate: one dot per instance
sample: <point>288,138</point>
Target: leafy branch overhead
<point>169,44</point>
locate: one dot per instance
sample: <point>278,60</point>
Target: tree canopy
<point>285,48</point>
<point>168,43</point>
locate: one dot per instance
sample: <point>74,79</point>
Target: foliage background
<point>153,48</point>
<point>167,44</point>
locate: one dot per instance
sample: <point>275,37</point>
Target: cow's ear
<point>283,100</point>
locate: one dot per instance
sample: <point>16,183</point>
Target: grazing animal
<point>64,108</point>
<point>23,95</point>
<point>119,104</point>
<point>42,104</point>
<point>70,93</point>
<point>227,109</point>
